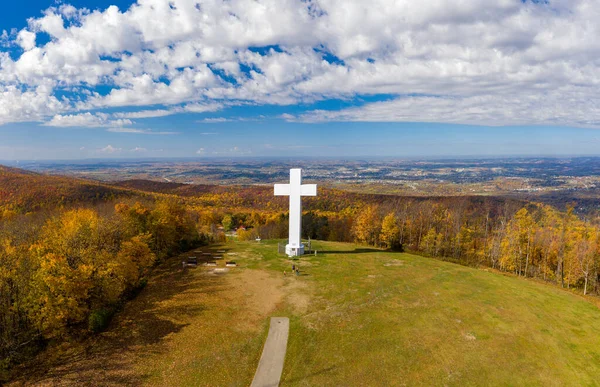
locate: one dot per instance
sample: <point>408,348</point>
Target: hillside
<point>23,191</point>
<point>359,316</point>
<point>328,199</point>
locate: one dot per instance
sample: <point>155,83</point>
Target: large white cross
<point>295,190</point>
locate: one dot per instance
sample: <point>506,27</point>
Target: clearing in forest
<point>358,316</point>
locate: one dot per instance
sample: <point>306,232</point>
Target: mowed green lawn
<point>359,317</point>
<point>380,318</point>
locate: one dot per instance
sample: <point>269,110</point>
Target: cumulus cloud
<point>26,39</point>
<point>138,149</point>
<point>31,104</point>
<point>87,120</point>
<point>477,61</point>
<point>110,149</point>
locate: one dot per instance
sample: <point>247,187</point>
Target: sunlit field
<point>359,316</point>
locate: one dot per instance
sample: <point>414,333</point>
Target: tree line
<point>70,270</point>
<point>67,269</point>
<point>527,239</point>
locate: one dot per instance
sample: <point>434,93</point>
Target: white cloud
<point>202,108</point>
<point>200,151</point>
<point>525,109</point>
<point>189,108</point>
<point>138,149</point>
<point>26,39</point>
<point>217,120</point>
<point>488,60</point>
<point>140,131</point>
<point>5,39</point>
<point>87,120</point>
<point>32,104</point>
<point>110,149</point>
<point>127,130</point>
<point>145,114</point>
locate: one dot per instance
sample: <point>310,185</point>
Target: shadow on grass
<point>171,296</point>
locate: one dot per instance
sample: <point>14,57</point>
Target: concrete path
<point>270,365</point>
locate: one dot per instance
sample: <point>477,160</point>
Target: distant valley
<point>556,181</point>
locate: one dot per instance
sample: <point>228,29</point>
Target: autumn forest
<point>73,251</point>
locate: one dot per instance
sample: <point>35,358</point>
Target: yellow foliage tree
<point>134,260</point>
<point>390,232</point>
<point>367,226</point>
<point>60,295</point>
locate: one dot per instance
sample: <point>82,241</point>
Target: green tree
<point>227,222</point>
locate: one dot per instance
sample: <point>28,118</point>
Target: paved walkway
<point>270,366</point>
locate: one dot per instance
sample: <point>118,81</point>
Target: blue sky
<point>210,78</point>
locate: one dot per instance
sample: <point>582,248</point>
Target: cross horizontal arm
<point>308,190</point>
<point>282,190</point>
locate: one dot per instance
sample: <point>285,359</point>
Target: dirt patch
<point>469,336</point>
<point>394,262</point>
<point>298,295</point>
<point>259,291</point>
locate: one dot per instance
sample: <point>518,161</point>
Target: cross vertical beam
<point>295,190</point>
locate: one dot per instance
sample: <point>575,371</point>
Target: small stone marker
<point>212,263</point>
<point>230,264</point>
<point>270,365</point>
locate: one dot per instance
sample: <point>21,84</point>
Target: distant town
<point>550,179</point>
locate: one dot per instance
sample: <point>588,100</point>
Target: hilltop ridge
<point>24,191</point>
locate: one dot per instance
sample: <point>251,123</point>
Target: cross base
<point>294,251</point>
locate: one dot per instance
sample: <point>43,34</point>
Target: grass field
<point>358,316</point>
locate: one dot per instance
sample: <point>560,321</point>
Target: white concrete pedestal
<point>294,251</point>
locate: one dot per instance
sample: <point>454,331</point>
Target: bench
<point>191,261</point>
<point>230,264</point>
<point>211,263</point>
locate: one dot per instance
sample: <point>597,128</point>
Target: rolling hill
<point>24,191</point>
